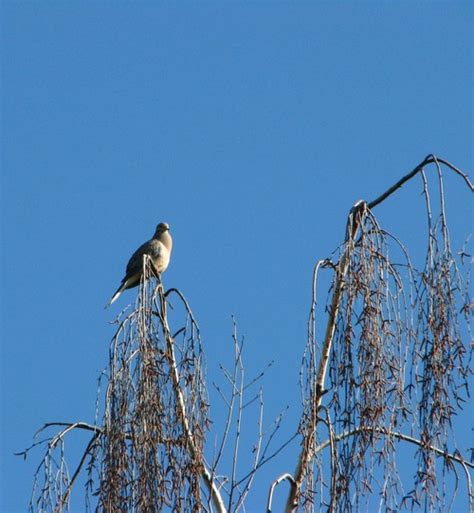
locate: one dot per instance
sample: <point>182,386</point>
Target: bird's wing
<point>153,248</point>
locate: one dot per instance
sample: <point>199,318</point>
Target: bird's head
<point>161,228</point>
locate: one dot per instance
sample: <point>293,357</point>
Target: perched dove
<point>158,248</point>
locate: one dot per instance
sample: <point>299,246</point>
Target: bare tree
<point>393,365</point>
<point>391,368</point>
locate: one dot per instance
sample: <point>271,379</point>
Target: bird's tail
<point>117,294</point>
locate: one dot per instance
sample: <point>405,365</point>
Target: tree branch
<point>430,159</point>
<point>206,475</point>
<point>355,215</point>
<point>399,436</point>
<point>284,477</point>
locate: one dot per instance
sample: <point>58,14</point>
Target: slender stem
<point>206,475</point>
<point>240,392</point>
<point>354,219</point>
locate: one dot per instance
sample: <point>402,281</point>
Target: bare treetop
<point>388,371</point>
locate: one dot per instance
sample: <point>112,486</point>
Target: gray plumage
<point>158,248</point>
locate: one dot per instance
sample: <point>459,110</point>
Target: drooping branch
<point>168,413</point>
<point>148,452</point>
<point>373,344</point>
<point>283,477</point>
<point>44,500</point>
<point>398,436</point>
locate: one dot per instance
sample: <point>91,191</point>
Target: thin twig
<point>63,500</point>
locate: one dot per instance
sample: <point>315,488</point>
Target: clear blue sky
<point>251,128</point>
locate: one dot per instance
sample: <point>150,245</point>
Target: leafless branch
<point>284,477</point>
<point>391,356</point>
<point>430,159</point>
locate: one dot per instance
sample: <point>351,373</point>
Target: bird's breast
<point>162,260</point>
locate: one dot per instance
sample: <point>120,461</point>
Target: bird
<point>158,248</point>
